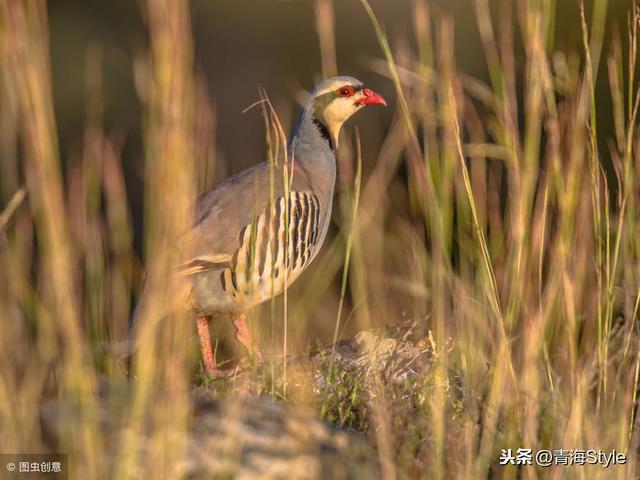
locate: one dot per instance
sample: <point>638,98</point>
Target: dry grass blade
<point>11,207</point>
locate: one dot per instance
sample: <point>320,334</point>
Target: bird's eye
<point>345,91</point>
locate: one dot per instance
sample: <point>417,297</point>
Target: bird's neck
<point>311,147</point>
<point>324,131</point>
<point>312,142</point>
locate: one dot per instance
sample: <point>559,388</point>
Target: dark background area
<point>240,46</point>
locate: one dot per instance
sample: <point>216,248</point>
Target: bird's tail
<point>144,321</point>
<point>130,342</point>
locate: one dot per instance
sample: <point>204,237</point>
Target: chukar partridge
<point>254,233</point>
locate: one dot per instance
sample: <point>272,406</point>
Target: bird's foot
<point>243,335</point>
<point>256,352</point>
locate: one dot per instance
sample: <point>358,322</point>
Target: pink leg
<point>205,348</point>
<point>243,335</point>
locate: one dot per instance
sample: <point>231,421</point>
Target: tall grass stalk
<point>357,181</point>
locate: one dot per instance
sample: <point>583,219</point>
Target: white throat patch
<point>336,113</point>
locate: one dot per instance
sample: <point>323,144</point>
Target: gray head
<point>334,100</point>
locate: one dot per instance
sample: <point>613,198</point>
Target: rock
<point>244,437</point>
<point>256,437</point>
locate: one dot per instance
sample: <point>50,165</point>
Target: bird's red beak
<point>370,98</point>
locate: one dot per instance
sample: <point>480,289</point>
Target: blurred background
<point>270,44</point>
<point>273,44</point>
